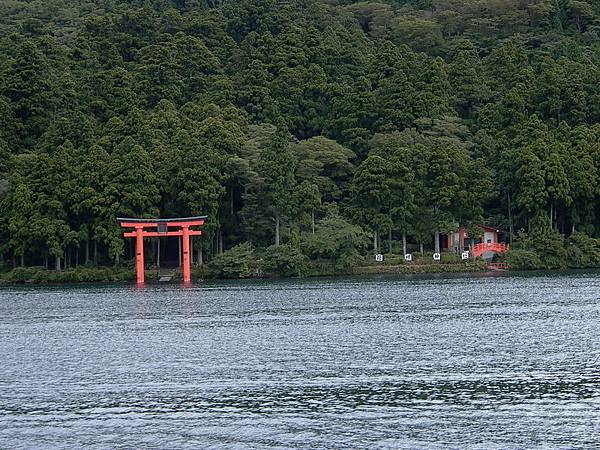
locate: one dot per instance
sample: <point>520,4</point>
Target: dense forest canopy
<point>303,122</point>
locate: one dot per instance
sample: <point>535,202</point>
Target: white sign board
<point>379,258</point>
<point>408,257</point>
<point>465,255</point>
<point>437,257</point>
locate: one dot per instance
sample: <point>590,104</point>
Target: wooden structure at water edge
<point>181,226</point>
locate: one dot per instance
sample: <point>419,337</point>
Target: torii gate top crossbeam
<point>126,222</point>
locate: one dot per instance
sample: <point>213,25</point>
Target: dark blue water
<point>423,363</point>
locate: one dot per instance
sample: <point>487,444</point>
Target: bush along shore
<point>88,274</point>
<point>283,261</point>
<point>82,274</point>
<point>550,250</point>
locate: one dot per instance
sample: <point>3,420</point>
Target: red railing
<point>496,247</point>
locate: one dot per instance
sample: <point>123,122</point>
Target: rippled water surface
<point>510,362</point>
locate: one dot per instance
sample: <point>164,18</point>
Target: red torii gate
<point>161,228</point>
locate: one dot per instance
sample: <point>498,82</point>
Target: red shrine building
<point>181,227</point>
<point>491,241</point>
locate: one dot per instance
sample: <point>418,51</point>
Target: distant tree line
<point>307,123</point>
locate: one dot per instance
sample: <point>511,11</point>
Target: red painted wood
<point>139,256</point>
<point>193,223</point>
<point>497,266</point>
<point>129,234</point>
<point>187,276</point>
<point>496,247</point>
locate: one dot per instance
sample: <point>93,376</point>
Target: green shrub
<point>545,242</point>
<point>237,262</point>
<point>42,275</point>
<point>283,260</point>
<point>388,260</point>
<point>469,266</point>
<point>427,258</point>
<point>523,260</point>
<point>449,258</point>
<point>583,251</point>
<point>82,274</point>
<point>23,274</point>
<point>322,268</point>
<point>202,272</point>
<point>348,259</point>
<point>334,239</point>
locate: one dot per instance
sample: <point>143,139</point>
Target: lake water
<point>477,362</point>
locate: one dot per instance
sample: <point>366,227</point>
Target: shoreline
<point>99,275</point>
<point>90,274</point>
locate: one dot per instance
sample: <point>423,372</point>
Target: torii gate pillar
<point>187,273</point>
<point>159,228</point>
<point>139,255</point>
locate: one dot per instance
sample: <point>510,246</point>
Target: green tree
<point>307,199</point>
<point>276,167</point>
<point>325,163</point>
<point>380,194</point>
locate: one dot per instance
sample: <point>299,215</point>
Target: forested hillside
<point>301,122</point>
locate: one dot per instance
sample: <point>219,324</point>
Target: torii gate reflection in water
<point>161,227</point>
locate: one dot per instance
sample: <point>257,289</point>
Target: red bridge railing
<point>496,247</point>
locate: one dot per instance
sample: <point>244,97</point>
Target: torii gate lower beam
<point>161,227</point>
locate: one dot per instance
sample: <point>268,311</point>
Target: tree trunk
<point>312,218</point>
<point>390,240</point>
<point>421,247</point>
<point>179,247</point>
<point>22,259</point>
<point>87,251</point>
<point>551,216</point>
<point>510,220</point>
<point>220,241</point>
<point>117,259</point>
<point>404,243</point>
<point>95,253</point>
<point>191,238</point>
<point>158,253</point>
<point>277,231</point>
<point>200,256</point>
<point>375,242</point>
<point>77,257</point>
<point>57,265</point>
<point>437,241</point>
<point>46,261</point>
